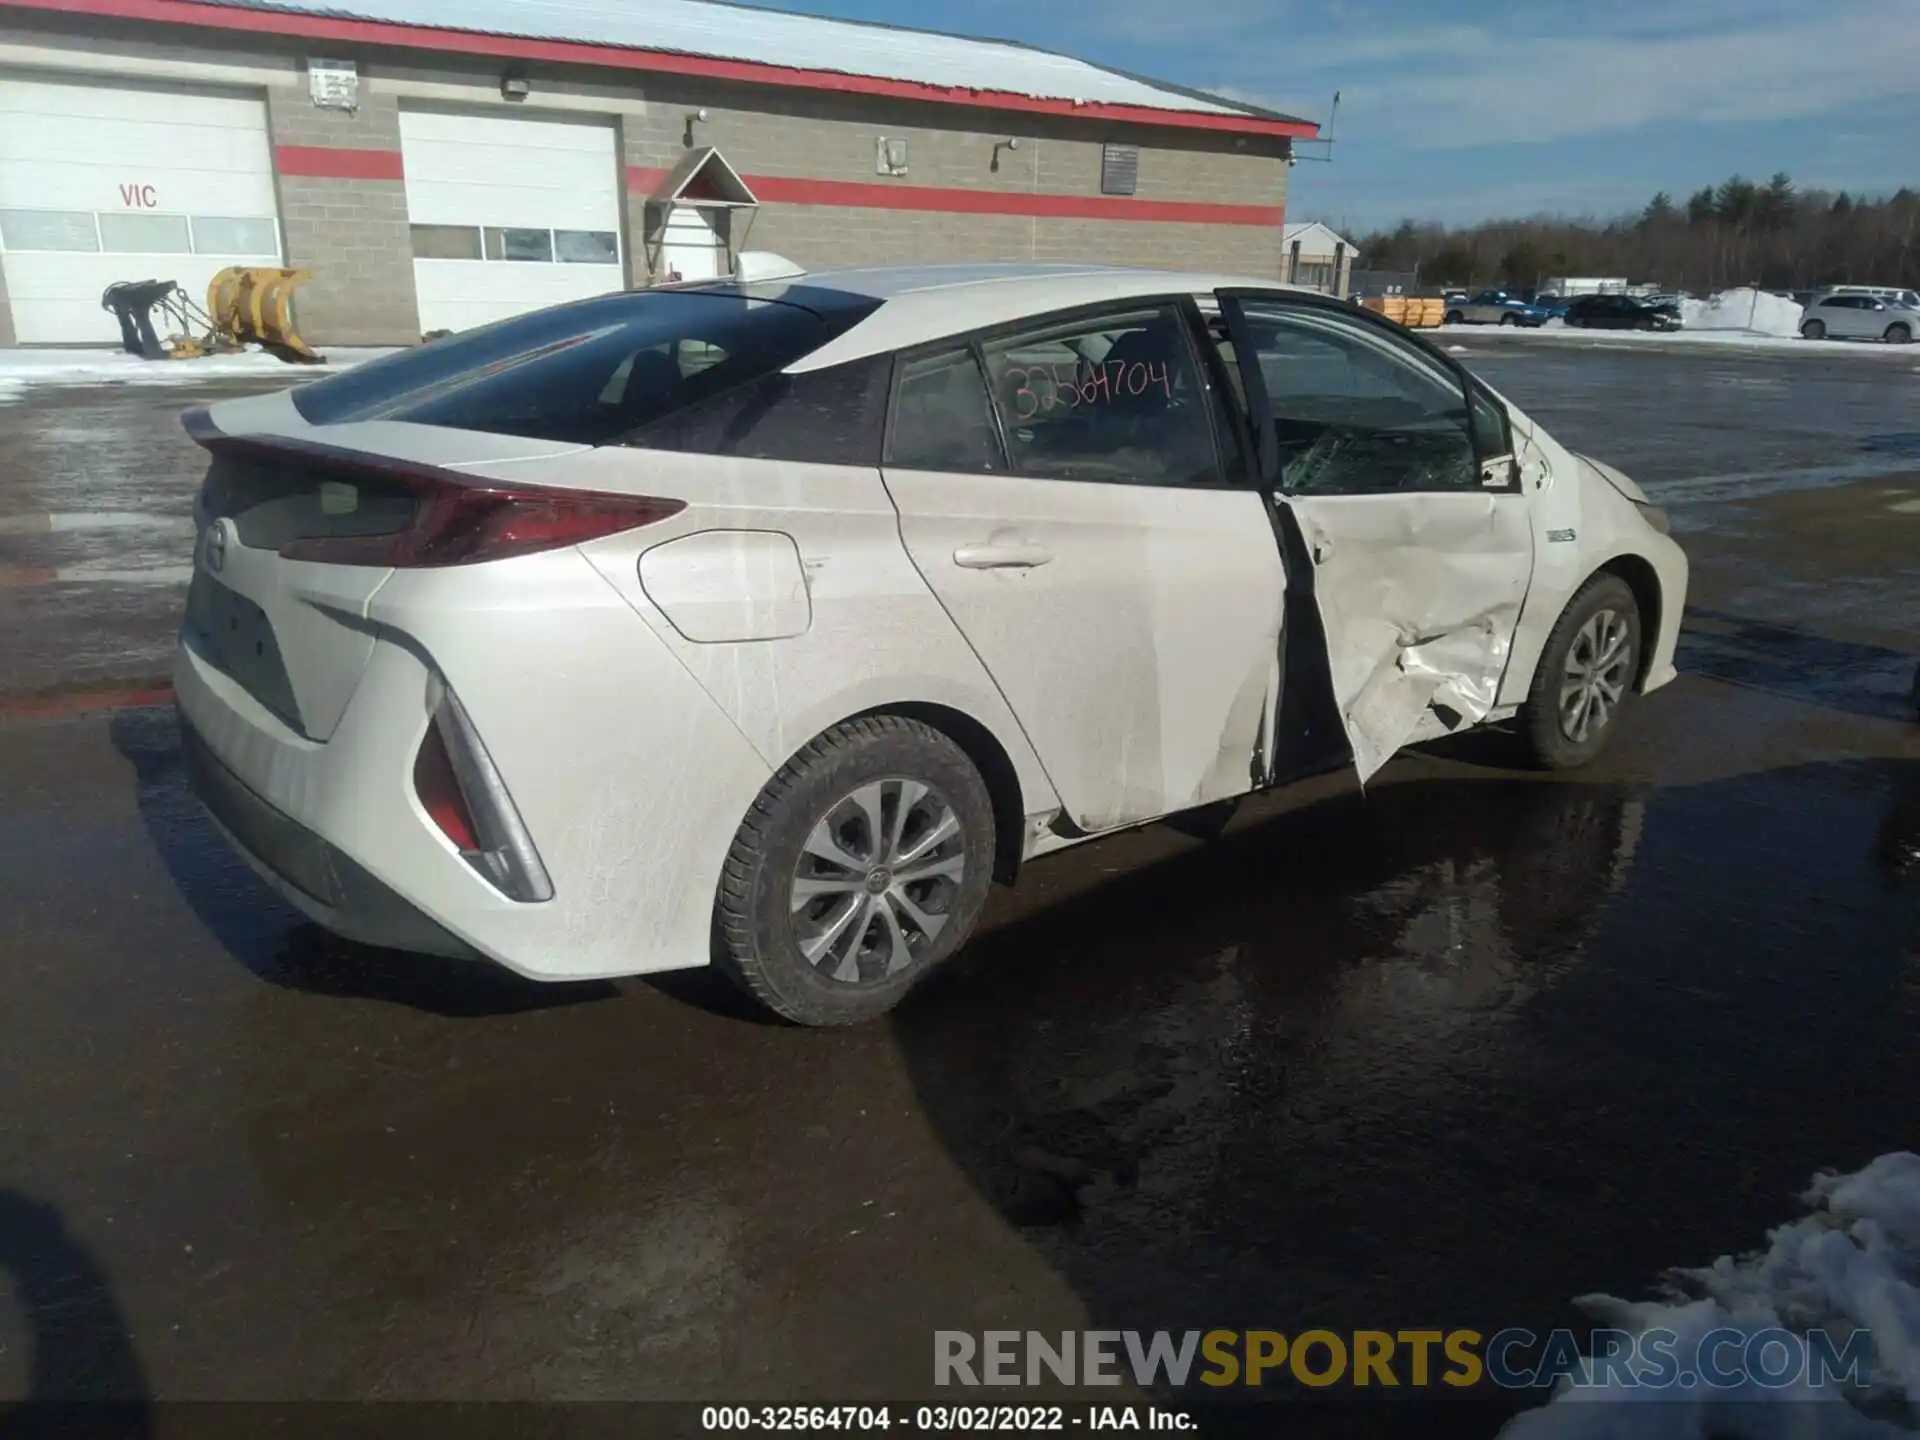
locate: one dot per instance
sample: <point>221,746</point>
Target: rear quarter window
<point>835,416</point>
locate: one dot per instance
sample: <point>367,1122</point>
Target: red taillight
<point>426,516</point>
<point>439,792</point>
<point>460,522</point>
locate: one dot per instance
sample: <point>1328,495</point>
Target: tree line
<point>1737,233</point>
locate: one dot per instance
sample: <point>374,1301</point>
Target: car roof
<point>923,303</point>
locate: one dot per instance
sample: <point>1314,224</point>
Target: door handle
<point>1002,555</point>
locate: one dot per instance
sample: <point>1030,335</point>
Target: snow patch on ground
<point>1853,1264</point>
<point>20,369</point>
<point>1755,312</point>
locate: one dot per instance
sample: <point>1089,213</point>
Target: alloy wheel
<point>876,877</point>
<point>1599,668</point>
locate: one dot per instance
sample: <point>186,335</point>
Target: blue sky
<point>1458,111</point>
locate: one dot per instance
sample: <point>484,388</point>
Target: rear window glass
<point>592,372</point>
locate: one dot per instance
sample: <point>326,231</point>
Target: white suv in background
<point>1854,312</point>
<point>765,623</point>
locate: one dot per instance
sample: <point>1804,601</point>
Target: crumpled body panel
<point>1420,595</point>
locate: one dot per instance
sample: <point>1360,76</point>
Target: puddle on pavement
<point>1442,1021</point>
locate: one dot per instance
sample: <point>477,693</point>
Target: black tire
<point>1509,319</point>
<point>1899,334</point>
<point>1552,741</point>
<point>1813,330</point>
<point>1454,317</point>
<point>757,931</point>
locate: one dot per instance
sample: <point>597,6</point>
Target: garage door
<point>104,183</point>
<point>508,214</point>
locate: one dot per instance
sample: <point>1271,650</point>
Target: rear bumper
<point>629,779</point>
<point>314,876</point>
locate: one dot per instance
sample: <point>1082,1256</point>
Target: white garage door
<point>508,214</point>
<point>103,183</point>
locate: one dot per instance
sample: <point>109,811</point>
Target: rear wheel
<point>1586,676</point>
<point>1454,317</point>
<point>863,864</point>
<point>1813,330</point>
<point>1899,334</point>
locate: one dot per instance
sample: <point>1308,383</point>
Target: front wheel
<point>1454,317</point>
<point>1900,334</point>
<point>1509,319</point>
<point>1586,676</point>
<point>863,864</point>
<point>1813,330</point>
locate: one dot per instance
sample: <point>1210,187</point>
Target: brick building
<point>440,164</point>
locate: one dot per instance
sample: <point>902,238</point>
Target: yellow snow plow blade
<point>253,304</point>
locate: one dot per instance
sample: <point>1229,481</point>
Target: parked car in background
<point>1620,312</point>
<point>764,624</point>
<point>1495,307</point>
<point>1898,294</point>
<point>1852,315</point>
<point>1555,306</point>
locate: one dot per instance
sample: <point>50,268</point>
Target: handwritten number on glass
<point>1043,387</point>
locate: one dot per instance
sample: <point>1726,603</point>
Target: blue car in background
<point>1495,307</point>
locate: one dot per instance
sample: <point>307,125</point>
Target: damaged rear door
<point>1065,488</point>
<point>1399,473</point>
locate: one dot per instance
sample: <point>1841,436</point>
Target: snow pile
<point>1854,1263</point>
<point>1754,311</point>
<point>22,368</point>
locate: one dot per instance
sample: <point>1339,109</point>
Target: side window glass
<point>1357,410</point>
<point>1114,398</point>
<point>941,418</point>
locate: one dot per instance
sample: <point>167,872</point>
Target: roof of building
<point>977,71</point>
<point>1312,232</point>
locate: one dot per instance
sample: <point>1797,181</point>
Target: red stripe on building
<point>570,52</point>
<point>862,194</point>
<point>332,163</point>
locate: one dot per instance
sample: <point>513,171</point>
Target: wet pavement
<point>1446,1054</point>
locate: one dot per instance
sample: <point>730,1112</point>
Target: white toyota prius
<point>765,623</point>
